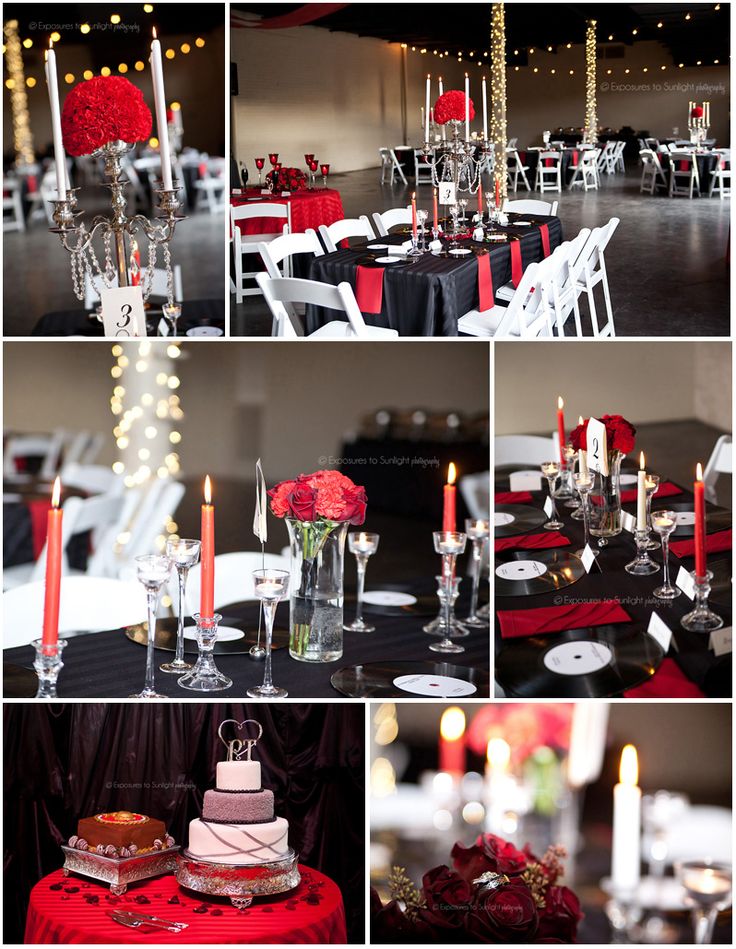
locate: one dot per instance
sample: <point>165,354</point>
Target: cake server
<point>134,922</point>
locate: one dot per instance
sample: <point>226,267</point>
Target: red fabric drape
<point>307,13</point>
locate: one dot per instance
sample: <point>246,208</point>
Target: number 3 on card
<point>122,312</point>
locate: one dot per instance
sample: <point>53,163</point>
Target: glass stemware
<point>325,169</point>
<point>652,486</point>
<point>658,810</point>
<point>664,522</point>
<point>273,157</point>
<point>584,485</point>
<point>478,531</point>
<point>183,554</point>
<point>565,487</point>
<point>271,586</point>
<point>462,204</point>
<point>313,166</point>
<point>551,471</point>
<point>449,544</point>
<point>362,546</point>
<point>172,312</point>
<point>708,889</point>
<point>153,571</point>
<point>454,217</point>
<point>260,162</point>
<point>422,215</point>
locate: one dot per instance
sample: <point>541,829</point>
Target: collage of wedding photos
<point>304,306</point>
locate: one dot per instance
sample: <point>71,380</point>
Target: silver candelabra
<point>454,160</point>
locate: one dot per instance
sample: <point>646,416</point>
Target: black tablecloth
<point>428,296</point>
<point>707,163</point>
<point>79,323</point>
<point>108,665</point>
<point>710,673</point>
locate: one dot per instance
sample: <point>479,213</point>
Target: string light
<point>498,97</point>
<point>88,74</point>
<point>85,28</point>
<point>22,136</point>
<point>590,130</point>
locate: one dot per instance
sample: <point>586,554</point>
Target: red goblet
<point>260,162</point>
<point>313,166</point>
<point>273,157</point>
<point>325,169</point>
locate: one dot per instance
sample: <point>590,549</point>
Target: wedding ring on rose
<point>491,881</point>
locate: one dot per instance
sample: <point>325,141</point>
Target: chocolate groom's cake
<point>121,834</point>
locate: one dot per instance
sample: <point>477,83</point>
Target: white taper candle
<point>159,96</point>
<point>59,154</point>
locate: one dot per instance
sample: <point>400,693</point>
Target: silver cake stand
<point>239,883</point>
<point>118,872</point>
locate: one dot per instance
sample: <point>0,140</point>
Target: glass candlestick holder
<point>478,531</point>
<point>707,887</point>
<point>642,565</point>
<point>551,471</point>
<point>271,586</point>
<point>449,545</point>
<point>565,490</point>
<point>664,522</point>
<point>362,546</point>
<point>172,312</point>
<point>205,676</point>
<point>422,215</point>
<point>48,665</point>
<point>651,485</point>
<point>183,554</point>
<point>701,619</point>
<point>584,485</point>
<point>414,251</point>
<point>153,571</point>
<point>436,627</point>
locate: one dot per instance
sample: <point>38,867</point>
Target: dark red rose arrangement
<point>525,726</point>
<point>102,110</point>
<point>526,906</point>
<point>287,179</point>
<point>619,434</point>
<point>451,105</point>
<point>697,112</point>
<point>322,496</point>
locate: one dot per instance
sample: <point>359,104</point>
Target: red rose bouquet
<point>697,112</point>
<point>287,179</point>
<point>101,110</point>
<point>451,106</point>
<point>494,893</point>
<point>323,496</point>
<point>619,434</point>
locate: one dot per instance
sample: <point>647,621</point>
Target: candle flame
<point>452,723</point>
<point>451,473</point>
<point>207,490</point>
<point>641,461</point>
<point>498,753</point>
<point>56,493</point>
<point>580,419</point>
<point>51,46</point>
<point>699,472</point>
<point>155,34</point>
<point>629,769</point>
<point>560,402</point>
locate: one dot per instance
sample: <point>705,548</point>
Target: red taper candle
<point>434,209</point>
<point>480,199</point>
<point>449,499</point>
<point>207,556</point>
<point>414,214</point>
<point>498,193</point>
<point>699,491</point>
<point>452,741</point>
<point>561,426</point>
<point>52,594</point>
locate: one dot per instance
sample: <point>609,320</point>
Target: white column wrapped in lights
<point>147,411</point>
<point>498,98</point>
<point>590,130</point>
<point>16,83</point>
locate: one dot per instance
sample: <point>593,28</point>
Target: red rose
<point>355,505</point>
<point>487,853</point>
<point>561,914</point>
<point>619,433</point>
<point>102,110</point>
<point>451,105</point>
<point>302,501</point>
<point>390,925</point>
<point>697,112</point>
<point>506,914</point>
<point>448,898</point>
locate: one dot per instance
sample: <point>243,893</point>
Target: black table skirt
<point>109,665</point>
<point>707,164</point>
<point>78,323</point>
<point>426,298</point>
<point>18,539</point>
<point>710,673</point>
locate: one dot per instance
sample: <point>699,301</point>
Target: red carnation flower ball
<point>697,112</point>
<point>101,110</point>
<point>451,105</point>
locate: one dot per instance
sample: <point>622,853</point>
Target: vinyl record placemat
<point>716,519</point>
<point>407,679</point>
<point>509,520</point>
<point>424,603</point>
<point>166,636</point>
<point>594,662</point>
<point>531,572</point>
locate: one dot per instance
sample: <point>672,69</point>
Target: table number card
<point>660,631</point>
<point>720,641</point>
<point>685,582</point>
<point>597,446</point>
<point>122,311</point>
<point>446,192</point>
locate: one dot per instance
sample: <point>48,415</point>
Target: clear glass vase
<point>605,499</point>
<point>316,589</point>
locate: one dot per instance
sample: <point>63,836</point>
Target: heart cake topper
<point>239,748</point>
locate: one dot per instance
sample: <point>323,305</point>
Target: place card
<point>686,582</point>
<point>628,522</point>
<point>525,481</point>
<point>720,641</point>
<point>163,327</point>
<point>266,191</point>
<point>597,446</point>
<point>660,631</point>
<point>588,558</point>
<point>122,311</point>
<point>446,192</point>
<point>548,508</point>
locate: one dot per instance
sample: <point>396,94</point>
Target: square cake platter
<point>118,872</point>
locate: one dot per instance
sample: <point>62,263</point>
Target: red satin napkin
<point>714,544</point>
<point>665,490</point>
<point>39,511</point>
<point>555,619</point>
<point>532,541</point>
<point>575,157</point>
<point>485,282</point>
<point>544,231</point>
<point>548,162</point>
<point>517,268</point>
<point>369,289</point>
<point>513,497</point>
<point>684,165</point>
<point>668,682</point>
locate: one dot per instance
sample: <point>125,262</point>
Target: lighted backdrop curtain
<point>63,762</point>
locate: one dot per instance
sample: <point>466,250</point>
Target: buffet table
<point>74,910</point>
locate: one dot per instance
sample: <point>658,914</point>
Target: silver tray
<point>118,872</point>
<point>239,883</point>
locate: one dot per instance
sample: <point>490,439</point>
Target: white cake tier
<point>243,844</point>
<point>238,775</point>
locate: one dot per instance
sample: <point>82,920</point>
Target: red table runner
<point>532,541</point>
<point>369,289</point>
<point>555,619</point>
<point>668,682</point>
<point>714,544</point>
<point>308,209</point>
<point>74,910</point>
<point>513,497</point>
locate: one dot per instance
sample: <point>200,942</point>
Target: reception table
<point>75,910</point>
<point>707,162</point>
<point>195,314</point>
<point>690,669</point>
<point>309,208</point>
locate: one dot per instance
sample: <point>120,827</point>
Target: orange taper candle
<point>449,499</point>
<point>414,214</point>
<point>699,491</point>
<point>434,209</point>
<point>53,570</point>
<point>207,595</point>
<point>561,427</point>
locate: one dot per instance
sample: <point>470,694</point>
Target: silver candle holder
<point>454,160</point>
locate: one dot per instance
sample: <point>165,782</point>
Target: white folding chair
<point>476,492</point>
<point>282,292</point>
<point>248,243</point>
<point>688,174</point>
<point>47,448</point>
<point>606,159</point>
<point>86,604</point>
<point>385,220</point>
<point>422,168</point>
<point>95,284</point>
<point>210,188</point>
<point>515,169</point>
<point>524,317</point>
<point>529,450</point>
<point>531,207</point>
<point>233,578</point>
<point>390,166</point>
<point>585,172</point>
<point>592,271</point>
<point>147,519</point>
<point>720,177</point>
<point>652,175</point>
<point>512,142</point>
<point>617,158</point>
<point>92,479</point>
<point>281,249</point>
<point>13,205</point>
<point>549,172</point>
<point>333,234</point>
<point>720,462</point>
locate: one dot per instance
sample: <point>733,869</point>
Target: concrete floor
<point>666,262</point>
<point>37,271</point>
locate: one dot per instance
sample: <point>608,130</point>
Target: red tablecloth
<point>74,910</point>
<point>308,209</point>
